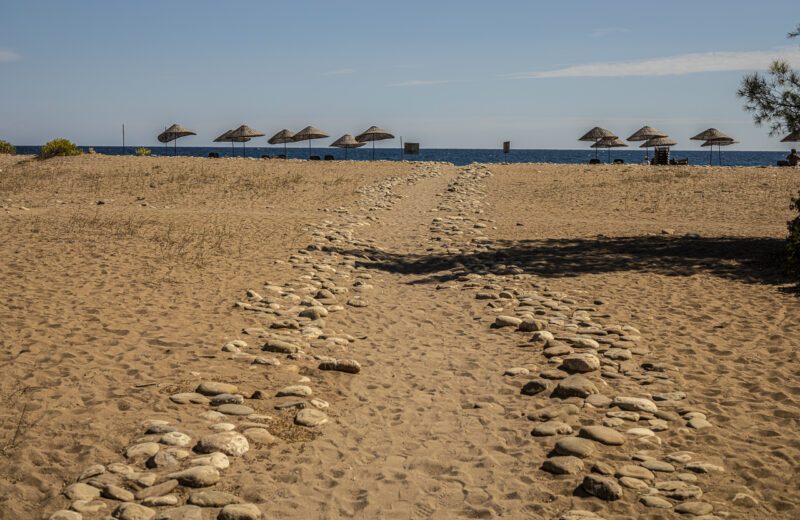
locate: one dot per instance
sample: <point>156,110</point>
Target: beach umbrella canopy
<point>307,134</point>
<point>347,141</point>
<point>645,133</point>
<point>609,142</point>
<point>712,134</point>
<point>373,134</point>
<point>243,132</point>
<point>658,142</point>
<point>792,138</point>
<point>226,138</point>
<point>174,133</point>
<point>282,137</point>
<point>720,143</point>
<point>595,134</point>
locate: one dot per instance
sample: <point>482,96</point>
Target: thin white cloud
<point>6,55</point>
<point>608,31</point>
<point>340,71</point>
<point>417,83</point>
<point>673,65</point>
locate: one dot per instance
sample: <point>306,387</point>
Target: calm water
<point>457,156</point>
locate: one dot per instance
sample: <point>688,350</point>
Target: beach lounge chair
<point>594,161</point>
<point>329,158</point>
<point>619,161</point>
<point>213,155</point>
<point>314,158</point>
<point>281,156</point>
<point>266,157</point>
<point>783,163</point>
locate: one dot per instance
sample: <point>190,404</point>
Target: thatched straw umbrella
<point>244,131</point>
<point>595,134</point>
<point>373,134</point>
<point>347,141</point>
<point>284,136</point>
<point>174,133</point>
<point>645,133</point>
<point>794,137</point>
<point>307,134</point>
<point>226,138</point>
<point>658,142</point>
<point>609,142</point>
<point>720,143</point>
<point>711,134</point>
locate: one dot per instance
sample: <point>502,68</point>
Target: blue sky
<point>445,73</point>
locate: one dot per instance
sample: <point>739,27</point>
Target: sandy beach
<point>395,340</point>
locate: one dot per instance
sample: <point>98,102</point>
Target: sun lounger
<point>314,158</point>
<point>266,157</point>
<point>594,161</point>
<point>329,158</point>
<point>213,155</point>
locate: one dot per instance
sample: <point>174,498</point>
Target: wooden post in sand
<point>123,139</point>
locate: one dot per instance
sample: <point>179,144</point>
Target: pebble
<point>633,483</point>
<point>259,435</point>
<point>603,435</point>
<point>579,514</point>
<point>279,346</point>
<point>117,493</point>
<point>235,409</point>
<point>87,507</point>
<point>65,515</point>
<point>341,365</point>
<point>230,443</point>
<point>598,400</point>
<point>531,325</point>
<point>618,354</point>
<point>694,508</point>
<point>310,417</point>
<point>221,399</point>
<point>576,386</point>
<point>197,476</point>
<point>575,446</point>
<point>563,465</point>
<point>222,427</point>
<point>679,490</point>
<point>218,460</point>
<point>630,470</point>
<point>506,321</point>
<point>703,467</point>
<point>146,449</point>
<point>181,513</point>
<point>295,390</point>
<point>240,512</point>
<point>581,363</point>
<point>175,439</point>
<point>211,415</point>
<point>655,501</point>
<point>602,468</point>
<point>681,457</point>
<point>534,386</point>
<point>698,423</point>
<point>131,511</point>
<point>216,388</point>
<point>166,500</point>
<point>81,491</point>
<point>669,396</point>
<point>92,471</point>
<point>744,500</point>
<point>157,490</point>
<point>637,404</point>
<point>516,371</point>
<point>319,403</point>
<point>212,499</point>
<point>550,428</point>
<point>605,488</point>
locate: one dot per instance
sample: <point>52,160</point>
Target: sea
<point>457,156</point>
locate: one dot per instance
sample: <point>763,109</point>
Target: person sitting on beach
<point>646,161</point>
<point>793,158</point>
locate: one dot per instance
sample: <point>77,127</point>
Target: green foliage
<point>793,241</point>
<point>5,147</point>
<point>143,151</point>
<point>58,147</point>
<point>774,96</point>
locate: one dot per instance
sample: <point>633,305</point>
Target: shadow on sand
<point>752,260</point>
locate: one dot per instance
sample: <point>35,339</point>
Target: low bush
<point>143,151</point>
<point>5,147</point>
<point>793,241</point>
<point>58,147</point>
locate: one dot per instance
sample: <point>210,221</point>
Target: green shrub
<point>143,151</point>
<point>5,147</point>
<point>58,147</point>
<point>793,241</point>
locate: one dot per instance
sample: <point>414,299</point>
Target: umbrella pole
<point>373,149</point>
<point>284,150</point>
<point>609,155</point>
<point>175,149</point>
<point>233,152</point>
<point>711,155</point>
<point>719,151</point>
<point>596,150</point>
<point>309,149</point>
<point>244,149</point>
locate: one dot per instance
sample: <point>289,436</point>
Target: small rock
<point>575,386</point>
<point>189,398</point>
<point>157,490</point>
<point>694,508</point>
<point>605,488</point>
<point>229,443</point>
<point>744,500</point>
<point>182,513</point>
<point>259,435</point>
<point>575,446</point>
<point>131,511</point>
<point>534,386</point>
<point>629,470</point>
<point>655,501</point>
<point>65,515</point>
<point>506,321</point>
<point>295,390</point>
<point>341,365</point>
<point>550,428</point>
<point>658,465</point>
<point>563,465</point>
<point>166,500</point>
<point>117,493</point>
<point>221,399</point>
<point>703,467</point>
<point>310,417</point>
<point>81,491</point>
<point>235,409</point>
<point>197,476</point>
<point>636,404</point>
<point>218,460</point>
<point>92,471</point>
<point>603,435</point>
<point>581,363</point>
<point>212,499</point>
<point>240,512</point>
<point>516,371</point>
<point>144,450</point>
<point>215,388</point>
<point>175,439</point>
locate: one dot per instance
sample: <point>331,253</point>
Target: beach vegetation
<point>6,148</point>
<point>56,147</point>
<point>142,152</point>
<point>774,96</point>
<point>793,241</point>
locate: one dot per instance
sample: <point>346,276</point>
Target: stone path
<point>436,301</point>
